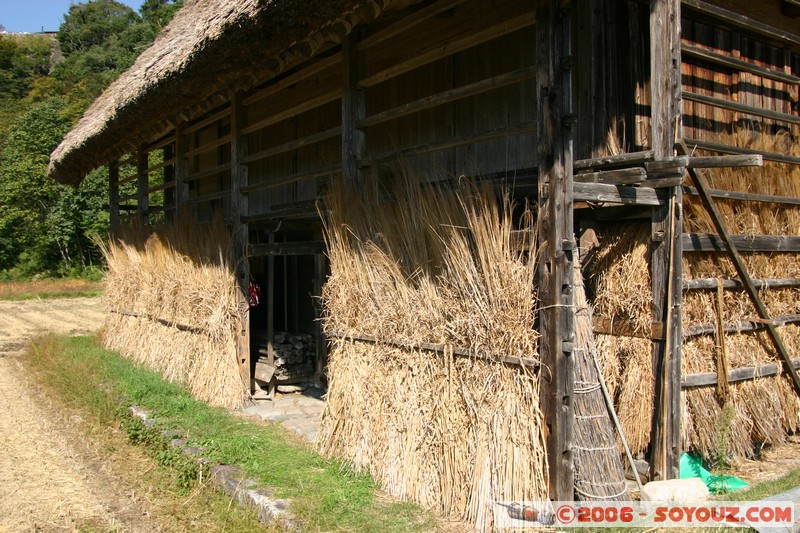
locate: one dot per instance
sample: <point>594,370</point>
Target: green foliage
<point>45,227</point>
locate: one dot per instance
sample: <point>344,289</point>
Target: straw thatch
<point>172,307</point>
<point>426,265</point>
<point>754,412</point>
<point>209,48</point>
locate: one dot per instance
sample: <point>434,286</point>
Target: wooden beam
<point>556,239</point>
<point>301,107</point>
<point>450,48</point>
<point>353,110</point>
<point>240,237</point>
<point>727,149</point>
<point>617,194</point>
<point>666,224</point>
<point>113,195</point>
<point>745,196</point>
<point>181,169</point>
<point>742,326</point>
<point>726,161</point>
<point>737,64</point>
<point>749,373</point>
<point>452,95</point>
<point>225,139</point>
<point>292,178</point>
<point>207,172</point>
<point>407,23</point>
<point>722,103</point>
<point>614,161</point>
<point>622,176</point>
<point>286,248</point>
<point>743,22</point>
<point>142,184</point>
<point>437,348</point>
<point>295,144</point>
<point>708,242</point>
<point>293,79</point>
<point>711,283</point>
<point>742,271</point>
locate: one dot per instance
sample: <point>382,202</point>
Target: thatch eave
<point>212,47</point>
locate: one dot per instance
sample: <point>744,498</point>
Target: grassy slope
<point>48,289</point>
<point>324,494</point>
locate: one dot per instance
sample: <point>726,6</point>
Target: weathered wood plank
<point>727,149</point>
<point>745,196</point>
<point>741,108</point>
<point>623,176</point>
<point>452,95</point>
<point>711,283</point>
<point>240,235</point>
<point>743,21</point>
<point>407,23</point>
<point>142,184</point>
<point>618,194</point>
<point>292,178</point>
<point>295,144</point>
<point>737,64</point>
<point>555,230</point>
<point>614,161</point>
<point>703,242</point>
<point>225,139</point>
<point>726,161</point>
<point>191,128</point>
<point>748,373</point>
<point>301,107</point>
<point>457,45</point>
<point>293,79</point>
<point>353,110</point>
<point>742,326</point>
<point>666,224</point>
<point>207,172</point>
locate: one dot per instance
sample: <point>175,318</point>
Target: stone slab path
<point>299,412</point>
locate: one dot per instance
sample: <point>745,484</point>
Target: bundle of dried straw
<point>434,264</point>
<point>170,293</point>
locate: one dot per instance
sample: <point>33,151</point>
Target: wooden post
<point>271,314</point>
<point>239,229</point>
<point>142,186</point>
<point>556,238</point>
<point>181,169</point>
<point>113,195</point>
<point>322,348</point>
<point>353,110</point>
<point>666,230</point>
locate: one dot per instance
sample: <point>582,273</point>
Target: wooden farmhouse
<point>656,141</point>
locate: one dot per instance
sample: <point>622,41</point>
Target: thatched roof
<point>210,48</point>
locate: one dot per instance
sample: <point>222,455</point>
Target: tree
<point>93,24</point>
<point>159,12</point>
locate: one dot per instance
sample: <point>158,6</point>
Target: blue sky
<point>33,15</point>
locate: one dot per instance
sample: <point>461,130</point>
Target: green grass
<point>765,489</point>
<point>325,494</point>
<point>51,295</point>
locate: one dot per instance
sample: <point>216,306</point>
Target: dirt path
<point>50,477</point>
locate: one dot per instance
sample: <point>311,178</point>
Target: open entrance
<point>287,269</point>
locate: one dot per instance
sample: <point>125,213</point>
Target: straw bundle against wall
<point>427,265</point>
<point>755,412</point>
<point>172,307</point>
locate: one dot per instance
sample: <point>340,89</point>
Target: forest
<point>46,83</point>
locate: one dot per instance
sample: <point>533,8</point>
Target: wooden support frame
<point>666,228</point>
<point>240,237</point>
<point>748,373</point>
<point>703,242</point>
<point>181,169</point>
<point>744,274</point>
<point>556,238</point>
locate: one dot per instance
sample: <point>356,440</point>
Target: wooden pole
<point>556,239</point>
<point>181,168</point>
<point>113,195</point>
<point>353,110</point>
<point>666,230</point>
<point>142,186</point>
<point>238,210</point>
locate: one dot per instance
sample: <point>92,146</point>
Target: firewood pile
<point>294,354</point>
